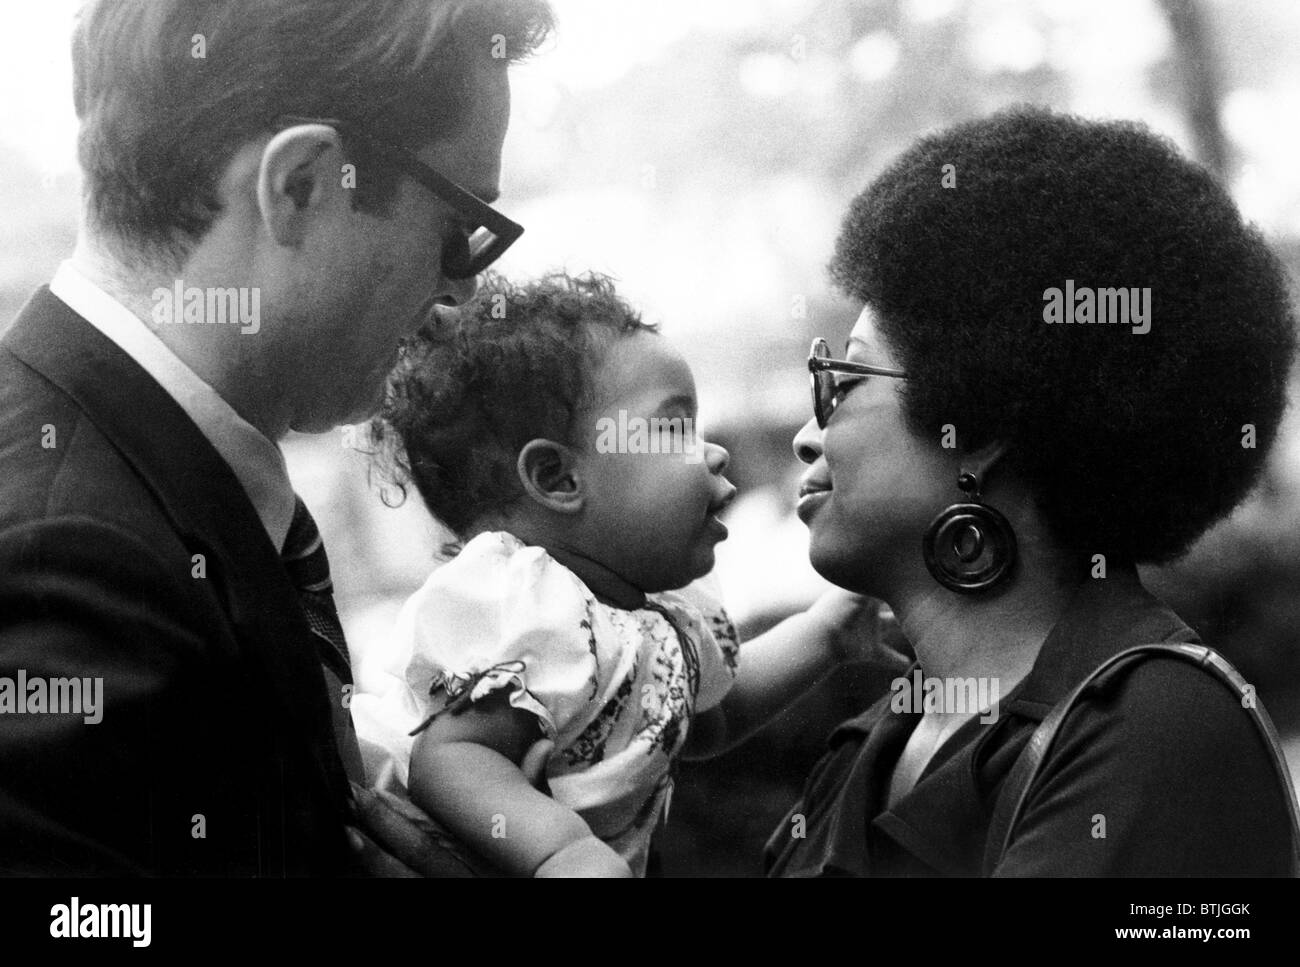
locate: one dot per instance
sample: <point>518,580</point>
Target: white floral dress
<point>615,689</point>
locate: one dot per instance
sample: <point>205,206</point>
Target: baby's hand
<point>586,857</point>
<point>861,628</point>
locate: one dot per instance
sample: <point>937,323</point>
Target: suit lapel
<point>200,495</point>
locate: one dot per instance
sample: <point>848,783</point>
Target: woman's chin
<point>840,572</point>
<point>852,573</point>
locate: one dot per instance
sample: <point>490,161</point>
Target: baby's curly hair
<point>478,382</point>
<point>1132,443</point>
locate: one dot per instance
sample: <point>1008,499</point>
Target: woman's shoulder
<point>1172,755</point>
<point>1172,704</point>
<point>1175,702</point>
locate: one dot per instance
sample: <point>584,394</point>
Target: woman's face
<point>872,485</point>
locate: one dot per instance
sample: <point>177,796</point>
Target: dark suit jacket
<point>1165,774</point>
<point>215,754</point>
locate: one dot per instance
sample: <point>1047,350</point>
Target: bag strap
<point>1015,793</point>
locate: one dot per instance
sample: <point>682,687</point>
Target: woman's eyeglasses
<point>487,233</point>
<point>823,369</point>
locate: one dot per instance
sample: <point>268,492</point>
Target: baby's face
<point>653,485</point>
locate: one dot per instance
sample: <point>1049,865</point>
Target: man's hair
<point>1133,443</point>
<point>478,382</point>
<point>159,122</point>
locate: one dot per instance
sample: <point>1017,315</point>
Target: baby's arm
<point>782,664</point>
<point>464,773</point>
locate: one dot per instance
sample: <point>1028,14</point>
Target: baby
<point>553,432</point>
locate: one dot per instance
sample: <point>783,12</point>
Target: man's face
<point>377,274</point>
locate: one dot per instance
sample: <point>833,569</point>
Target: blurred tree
<point>1202,94</point>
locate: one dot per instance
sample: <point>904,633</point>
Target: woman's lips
<point>811,498</point>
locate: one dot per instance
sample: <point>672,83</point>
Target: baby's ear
<point>549,474</point>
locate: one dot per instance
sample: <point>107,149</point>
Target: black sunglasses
<point>823,369</point>
<point>489,233</point>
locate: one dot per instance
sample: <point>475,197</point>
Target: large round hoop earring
<point>969,547</point>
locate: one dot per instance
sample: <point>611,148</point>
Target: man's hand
<point>395,838</point>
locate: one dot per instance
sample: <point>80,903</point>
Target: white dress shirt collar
<point>256,461</point>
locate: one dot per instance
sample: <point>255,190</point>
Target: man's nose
<point>808,442</point>
<point>459,291</point>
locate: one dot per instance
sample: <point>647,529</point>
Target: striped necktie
<point>309,569</point>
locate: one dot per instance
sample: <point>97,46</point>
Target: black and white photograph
<point>650,439</point>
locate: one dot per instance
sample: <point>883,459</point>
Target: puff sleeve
<point>503,616</point>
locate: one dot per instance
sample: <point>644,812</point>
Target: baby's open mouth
<point>718,506</point>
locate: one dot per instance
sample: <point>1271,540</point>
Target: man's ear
<point>549,473</point>
<point>299,176</point>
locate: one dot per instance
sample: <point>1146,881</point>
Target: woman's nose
<point>808,442</point>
